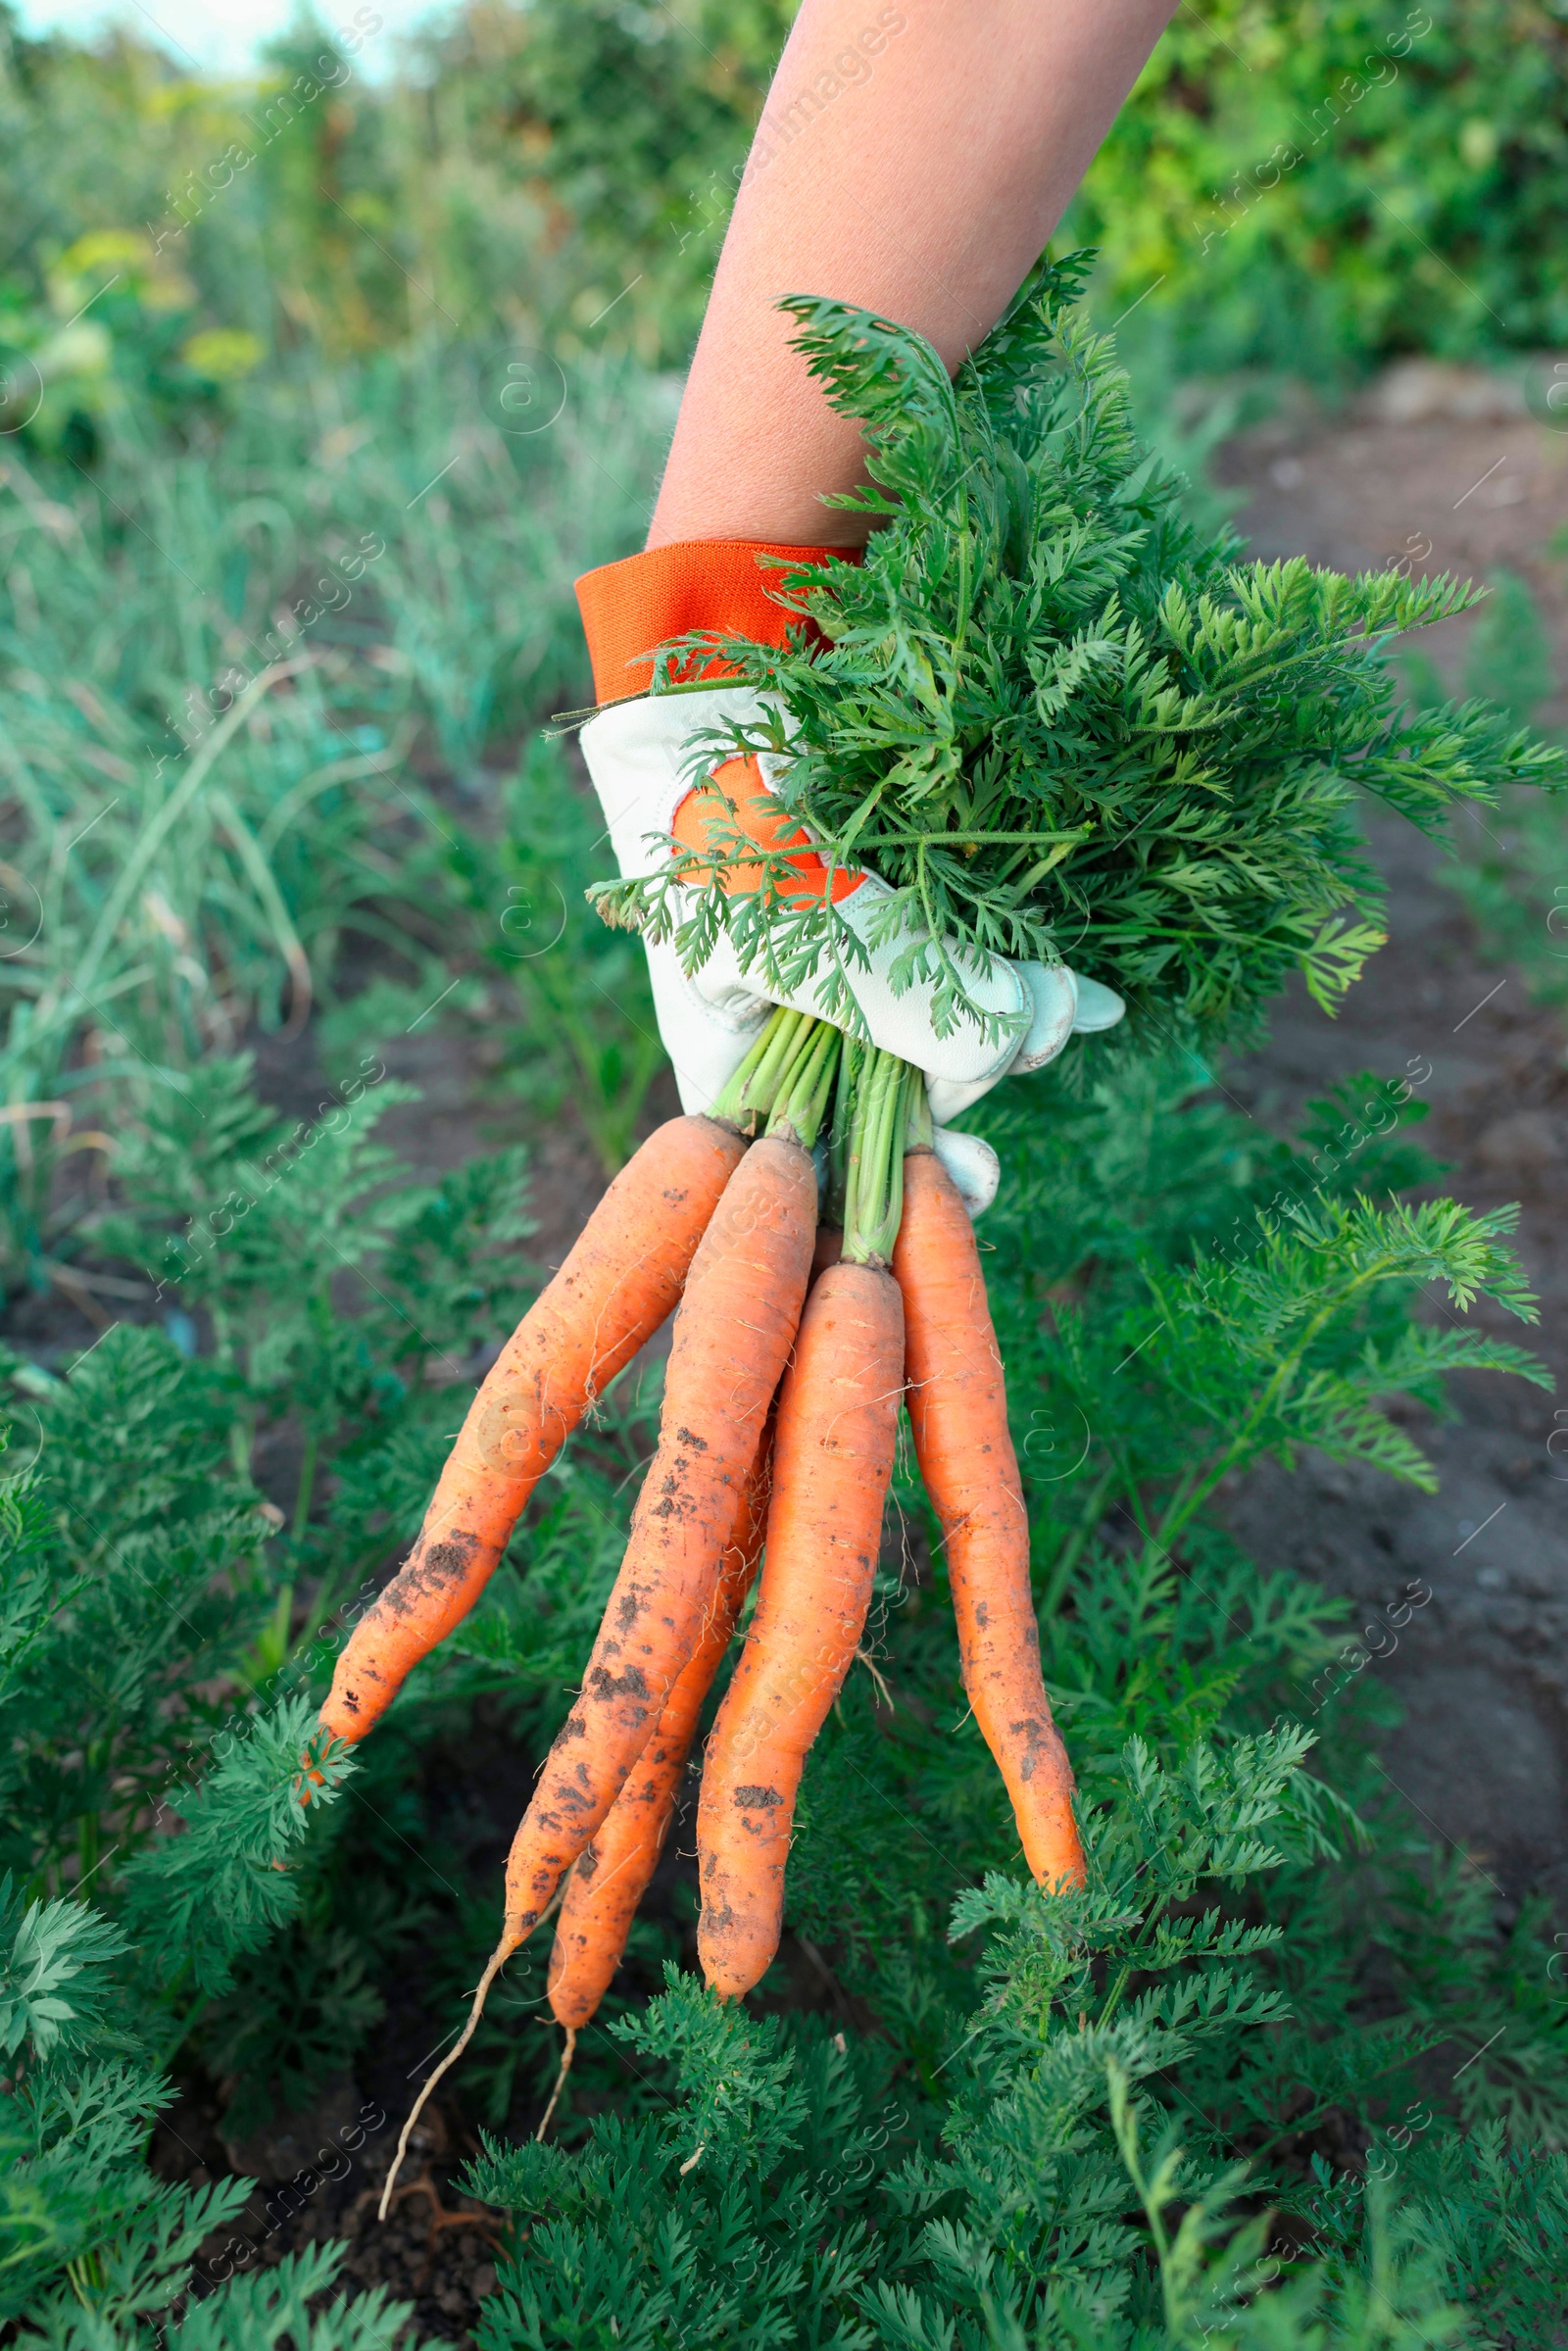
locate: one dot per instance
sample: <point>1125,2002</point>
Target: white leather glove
<point>638,754</point>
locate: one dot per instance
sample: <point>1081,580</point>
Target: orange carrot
<point>733,1334</point>
<point>958,1412</point>
<point>621,1280</point>
<point>612,1872</point>
<point>832,1461</point>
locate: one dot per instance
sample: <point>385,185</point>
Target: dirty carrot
<point>832,1462</point>
<point>612,1872</point>
<point>621,1280</point>
<point>958,1412</point>
<point>733,1334</point>
<point>733,1337</point>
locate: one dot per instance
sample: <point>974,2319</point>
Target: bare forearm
<point>912,159</point>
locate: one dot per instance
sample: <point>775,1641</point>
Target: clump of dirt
<point>319,2177</point>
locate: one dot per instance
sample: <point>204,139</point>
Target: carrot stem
<point>874,1187</point>
<point>801,1101</point>
<point>851,1060</point>
<point>752,1090</point>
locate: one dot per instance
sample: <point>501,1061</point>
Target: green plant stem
<point>87,1831</point>
<point>306,1490</point>
<point>874,1204</point>
<point>1194,1492</point>
<point>805,1084</point>
<point>1072,1552</point>
<point>751,1092</point>
<point>838,1148</point>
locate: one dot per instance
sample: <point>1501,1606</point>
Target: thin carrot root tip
<point>566,2056</point>
<point>493,1966</point>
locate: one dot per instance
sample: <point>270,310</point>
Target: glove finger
<point>1098,1008</point>
<point>973,1166</point>
<point>1053,1004</point>
<point>951,1097</point>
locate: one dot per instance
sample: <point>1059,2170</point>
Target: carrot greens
<point>1056,719</point>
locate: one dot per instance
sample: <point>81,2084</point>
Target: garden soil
<point>1462,1597</point>
<point>1479,1666</point>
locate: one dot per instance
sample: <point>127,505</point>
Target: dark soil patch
<point>1481,1669</point>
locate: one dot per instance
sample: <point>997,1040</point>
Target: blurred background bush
<point>1302,184</point>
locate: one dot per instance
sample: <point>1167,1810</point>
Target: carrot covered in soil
<point>832,1463</point>
<point>733,1337</point>
<point>622,1277</point>
<point>612,1872</point>
<point>958,1406</point>
<point>733,1334</point>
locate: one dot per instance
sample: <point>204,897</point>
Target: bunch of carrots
<point>1045,714</point>
<point>803,1323</point>
<point>1127,740</point>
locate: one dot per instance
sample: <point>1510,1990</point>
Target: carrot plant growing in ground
<point>947,2125</point>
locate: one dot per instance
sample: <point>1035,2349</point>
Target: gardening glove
<point>638,757</point>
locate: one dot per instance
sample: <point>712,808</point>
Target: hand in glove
<point>639,756</point>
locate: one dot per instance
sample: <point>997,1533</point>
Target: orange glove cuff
<point>631,606</point>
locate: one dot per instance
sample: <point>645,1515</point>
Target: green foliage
<point>92,2246</point>
<point>50,1944</point>
<point>1508,867</point>
<point>94,2251</point>
<point>1498,2219</point>
<point>1299,185</point>
<point>116,1539</point>
<point>957,2172</point>
<point>193,1901</point>
<point>1056,724</point>
<point>226,749</point>
<point>583,1021</point>
<point>1173,2041</point>
<point>717,2216</point>
<point>635,122</point>
<point>298,2013</point>
<point>1291,186</point>
<point>1396,2303</point>
<point>1509,659</point>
